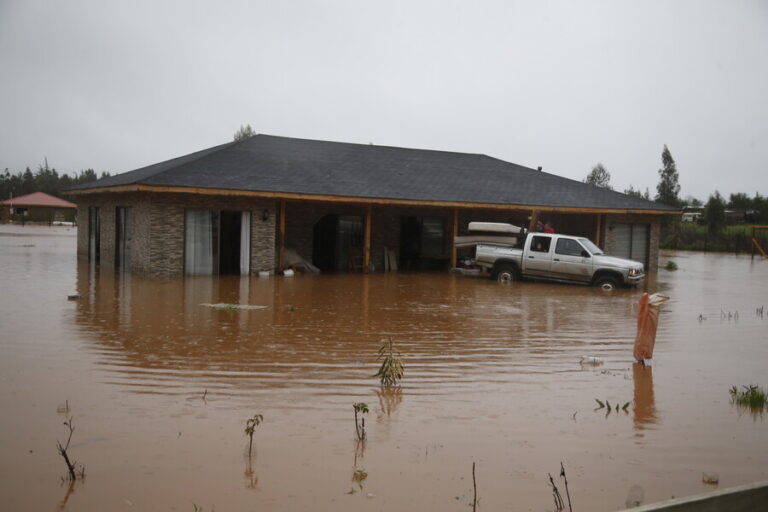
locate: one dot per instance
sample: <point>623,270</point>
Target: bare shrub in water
<point>362,408</point>
<point>74,469</point>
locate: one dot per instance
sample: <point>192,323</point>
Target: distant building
<point>37,207</point>
<point>237,208</point>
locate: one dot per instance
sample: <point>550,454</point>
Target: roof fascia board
<point>360,200</point>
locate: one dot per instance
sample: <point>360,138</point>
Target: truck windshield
<point>590,246</point>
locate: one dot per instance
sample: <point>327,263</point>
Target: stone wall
<point>157,245</point>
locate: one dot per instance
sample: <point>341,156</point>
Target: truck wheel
<point>606,283</point>
<point>506,274</point>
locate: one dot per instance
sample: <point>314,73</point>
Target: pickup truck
<point>554,257</point>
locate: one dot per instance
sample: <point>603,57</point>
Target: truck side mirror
<point>584,253</point>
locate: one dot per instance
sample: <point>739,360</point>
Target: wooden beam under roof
<point>364,200</point>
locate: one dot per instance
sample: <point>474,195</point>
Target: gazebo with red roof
<point>38,207</point>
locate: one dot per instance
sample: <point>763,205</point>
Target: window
<point>568,247</point>
<point>540,243</point>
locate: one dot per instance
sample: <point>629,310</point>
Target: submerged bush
<point>752,397</point>
<point>671,265</point>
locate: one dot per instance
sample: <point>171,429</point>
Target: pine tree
<point>599,176</point>
<point>668,189</point>
<point>714,213</point>
<point>244,132</point>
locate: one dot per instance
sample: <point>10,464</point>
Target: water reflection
<point>645,404</point>
<point>322,332</point>
<point>251,479</point>
<point>389,400</point>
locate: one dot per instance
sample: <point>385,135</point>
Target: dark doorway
<point>422,243</point>
<point>229,242</point>
<point>324,243</point>
<point>337,243</point>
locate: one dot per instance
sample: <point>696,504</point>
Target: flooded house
<point>263,202</point>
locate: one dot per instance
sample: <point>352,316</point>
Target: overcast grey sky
<point>115,85</point>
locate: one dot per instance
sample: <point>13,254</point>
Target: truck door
<point>571,261</point>
<point>538,258</point>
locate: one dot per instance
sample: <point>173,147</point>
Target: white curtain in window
<point>198,242</point>
<point>245,244</point>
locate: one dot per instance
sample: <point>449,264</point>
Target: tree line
<point>668,192</point>
<point>44,179</point>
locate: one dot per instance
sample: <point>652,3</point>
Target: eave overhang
<point>290,196</point>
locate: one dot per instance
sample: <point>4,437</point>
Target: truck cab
<point>562,258</point>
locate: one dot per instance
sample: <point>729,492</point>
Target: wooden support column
<point>597,228</point>
<point>455,234</point>
<point>367,241</point>
<point>281,236</point>
<point>534,219</point>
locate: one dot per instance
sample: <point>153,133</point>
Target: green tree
<point>760,204</point>
<point>27,182</point>
<point>692,201</point>
<point>244,132</point>
<point>714,213</point>
<point>599,177</point>
<point>668,189</point>
<point>740,201</point>
<point>631,191</point>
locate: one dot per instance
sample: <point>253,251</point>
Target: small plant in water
<point>391,369</point>
<point>362,408</point>
<point>74,469</point>
<point>250,427</point>
<point>671,265</point>
<point>752,397</point>
<point>609,408</point>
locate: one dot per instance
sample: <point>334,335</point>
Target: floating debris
<point>710,478</point>
<point>224,305</point>
<point>591,360</point>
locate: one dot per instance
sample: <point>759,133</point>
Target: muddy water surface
<point>160,387</point>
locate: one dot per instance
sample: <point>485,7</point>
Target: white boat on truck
<point>550,257</point>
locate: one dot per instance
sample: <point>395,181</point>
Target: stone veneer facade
<point>157,246</point>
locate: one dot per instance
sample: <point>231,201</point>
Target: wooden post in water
<point>455,234</point>
<point>281,235</point>
<point>367,242</point>
<point>597,229</point>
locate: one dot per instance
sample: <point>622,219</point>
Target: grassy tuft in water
<point>752,396</point>
<point>671,265</point>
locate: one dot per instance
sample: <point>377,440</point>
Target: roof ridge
<point>387,146</point>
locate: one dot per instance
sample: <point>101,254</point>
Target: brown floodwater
<point>160,387</point>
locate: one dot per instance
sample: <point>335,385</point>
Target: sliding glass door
<point>123,236</point>
<point>217,242</point>
<point>94,231</point>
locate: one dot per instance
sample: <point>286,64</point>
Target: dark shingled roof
<point>266,163</point>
